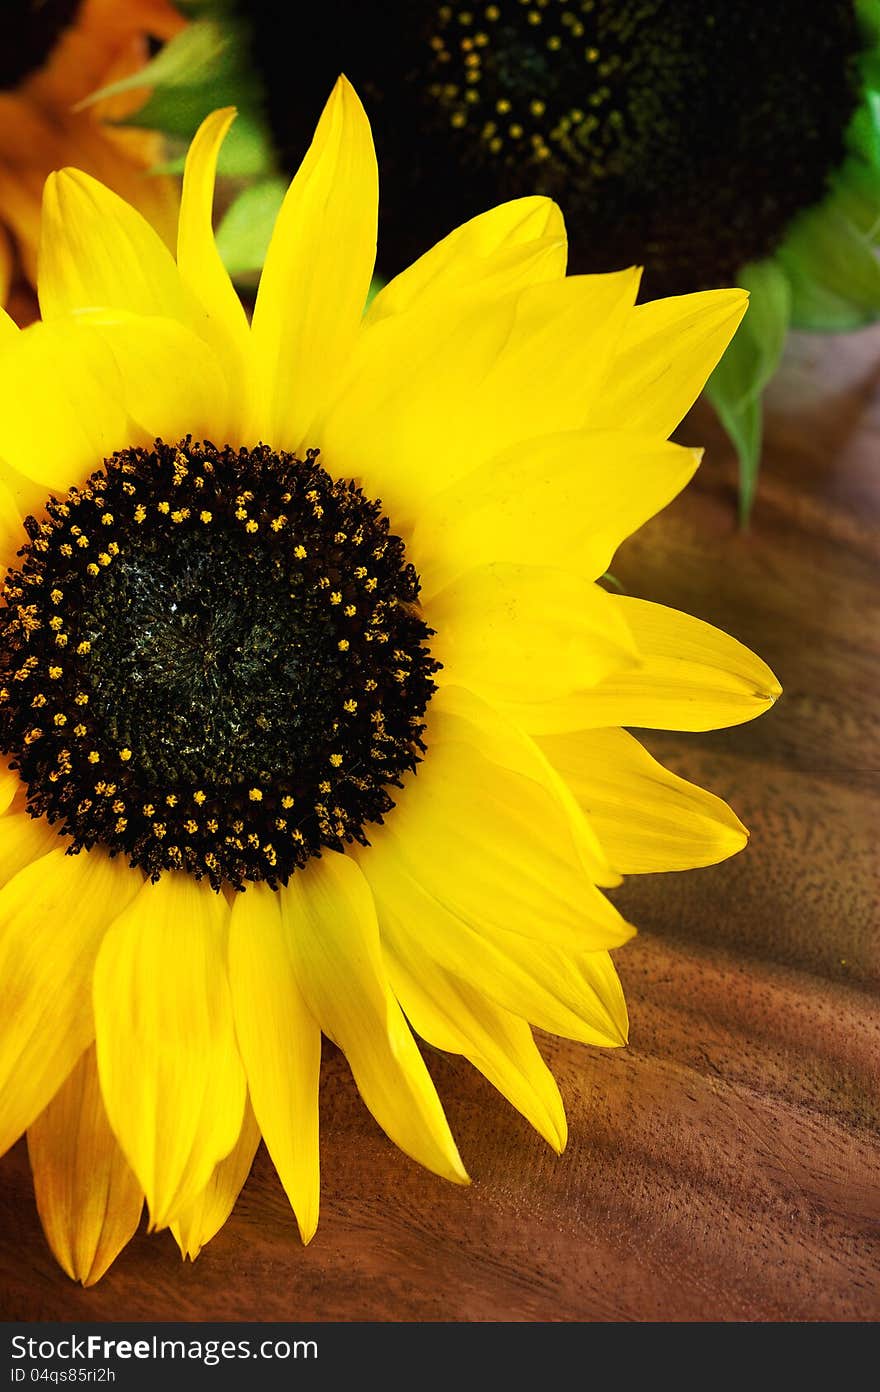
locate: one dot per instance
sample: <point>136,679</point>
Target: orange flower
<point>41,128</point>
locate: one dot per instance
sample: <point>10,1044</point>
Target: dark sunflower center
<point>31,30</point>
<point>213,661</point>
<point>682,135</point>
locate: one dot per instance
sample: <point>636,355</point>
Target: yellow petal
<point>646,817</point>
<point>519,634</point>
<point>97,252</point>
<point>666,353</point>
<point>453,828</point>
<point>10,784</point>
<point>280,1044</point>
<point>171,1076</point>
<point>87,1197</point>
<point>24,839</point>
<point>9,330</point>
<point>12,534</point>
<point>553,363</point>
<point>477,256</point>
<point>575,495</point>
<point>692,677</point>
<point>330,919</point>
<point>171,381</point>
<point>449,385</point>
<point>53,915</point>
<point>74,391</point>
<point>457,713</point>
<point>61,411</point>
<point>196,1225</point>
<point>403,372</point>
<point>578,997</point>
<point>316,275</point>
<point>451,1015</point>
<point>198,259</point>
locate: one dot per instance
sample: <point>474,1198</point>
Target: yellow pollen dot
<point>159,830</point>
<point>83,647</point>
<point>198,796</point>
<point>61,640</point>
<point>104,558</point>
<point>140,513</point>
<point>82,541</point>
<point>56,596</point>
<point>336,760</point>
<point>38,701</point>
<point>171,799</point>
<point>351,706</point>
<point>278,522</point>
<point>81,698</point>
<point>205,517</point>
<point>349,611</point>
<point>79,731</point>
<point>252,526</point>
<point>164,507</point>
<point>493,12</point>
<point>213,826</point>
<point>537,107</point>
<point>515,131</point>
<point>554,43</point>
<point>287,801</point>
<point>300,552</point>
<point>533,17</point>
<point>55,672</point>
<point>502,106</point>
<point>336,597</point>
<point>149,810</point>
<point>591,54</point>
<point>121,824</point>
<point>56,622</point>
<point>496,145</point>
<point>325,786</point>
<point>241,513</point>
<point>93,569</point>
<point>255,795</point>
<point>107,519</point>
<point>191,826</point>
<point>60,718</point>
<point>94,756</point>
<point>458,119</point>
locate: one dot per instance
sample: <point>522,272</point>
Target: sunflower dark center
<point>31,30</point>
<point>682,135</point>
<point>213,661</point>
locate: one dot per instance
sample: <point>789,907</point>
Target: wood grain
<point>725,1165</point>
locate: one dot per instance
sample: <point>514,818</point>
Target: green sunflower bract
<point>309,697</point>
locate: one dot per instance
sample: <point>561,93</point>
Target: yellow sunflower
<point>63,51</point>
<point>310,697</point>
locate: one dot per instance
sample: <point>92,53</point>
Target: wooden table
<point>725,1165</point>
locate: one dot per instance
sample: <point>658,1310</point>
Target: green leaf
<point>738,381</point>
<point>832,266</point>
<point>191,58</point>
<point>376,284</point>
<point>244,232</point>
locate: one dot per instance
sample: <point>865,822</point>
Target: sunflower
<point>61,52</point>
<point>310,697</point>
<point>712,141</point>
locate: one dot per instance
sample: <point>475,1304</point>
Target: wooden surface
<point>725,1165</point>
